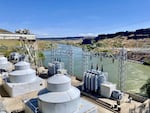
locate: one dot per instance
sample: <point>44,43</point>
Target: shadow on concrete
<point>3,92</point>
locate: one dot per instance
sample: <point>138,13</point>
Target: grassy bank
<point>44,44</point>
<point>8,46</point>
<point>115,42</point>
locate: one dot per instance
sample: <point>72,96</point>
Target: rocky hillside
<point>5,31</point>
<point>138,34</point>
<point>139,56</point>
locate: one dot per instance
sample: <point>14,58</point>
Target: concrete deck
<point>13,104</point>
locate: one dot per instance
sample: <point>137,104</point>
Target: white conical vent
<point>61,98</point>
<point>58,82</point>
<point>22,65</point>
<point>22,73</point>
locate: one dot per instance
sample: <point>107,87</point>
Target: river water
<point>136,76</point>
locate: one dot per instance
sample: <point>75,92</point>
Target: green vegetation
<point>8,46</point>
<point>89,47</point>
<point>100,44</point>
<point>7,53</point>
<point>118,42</point>
<point>9,43</point>
<point>146,88</point>
<point>41,55</point>
<point>40,58</point>
<point>146,61</point>
<point>44,44</point>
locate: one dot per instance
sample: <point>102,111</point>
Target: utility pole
<point>122,69</point>
<point>53,54</point>
<point>71,63</point>
<point>66,53</point>
<point>85,58</point>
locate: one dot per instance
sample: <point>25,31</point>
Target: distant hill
<point>138,34</point>
<point>61,38</point>
<point>3,31</point>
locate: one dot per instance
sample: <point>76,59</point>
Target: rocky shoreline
<point>142,57</point>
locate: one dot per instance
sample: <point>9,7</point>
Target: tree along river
<point>136,74</point>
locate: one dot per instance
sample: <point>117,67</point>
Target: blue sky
<point>74,17</point>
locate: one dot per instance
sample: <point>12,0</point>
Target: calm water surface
<point>137,74</point>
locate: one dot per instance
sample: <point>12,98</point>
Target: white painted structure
<point>107,89</point>
<point>22,80</point>
<point>3,63</point>
<point>61,97</point>
<point>17,36</point>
